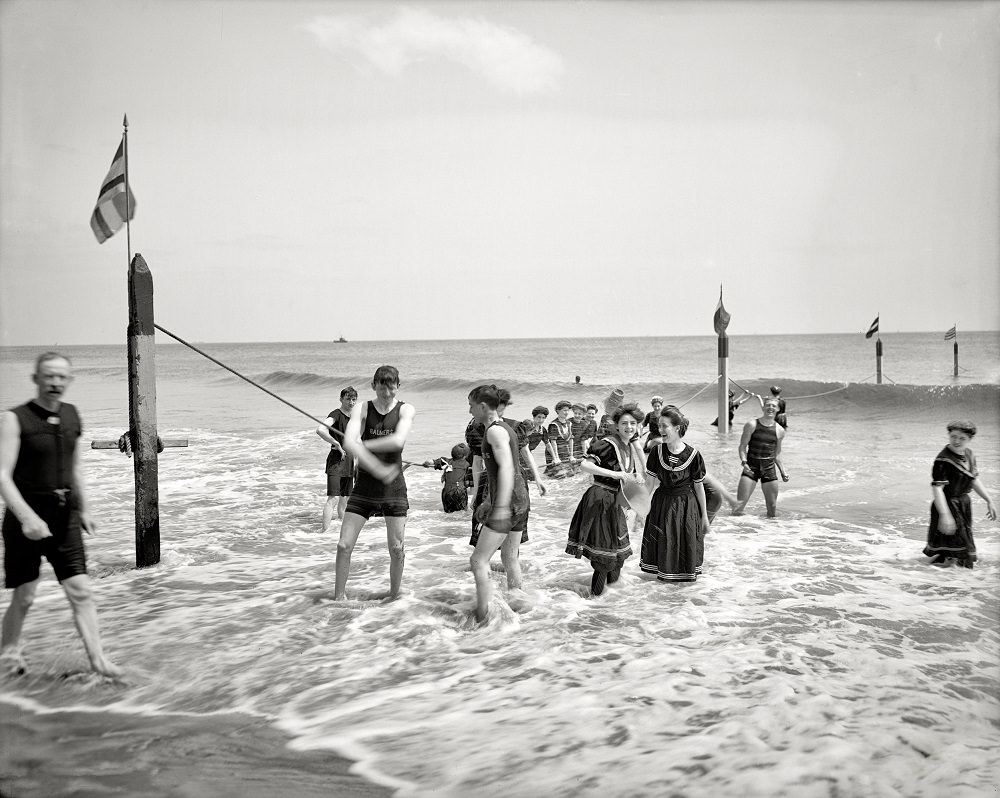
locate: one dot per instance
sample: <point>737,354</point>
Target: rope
<point>825,393</point>
<point>700,392</point>
<point>261,387</point>
<point>242,377</point>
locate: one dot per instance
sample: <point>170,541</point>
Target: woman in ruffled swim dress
<point>599,530</point>
<point>673,540</point>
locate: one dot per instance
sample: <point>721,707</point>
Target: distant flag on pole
<point>952,333</point>
<point>873,329</point>
<point>721,316</point>
<point>109,213</point>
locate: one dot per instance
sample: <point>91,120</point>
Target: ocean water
<point>819,655</point>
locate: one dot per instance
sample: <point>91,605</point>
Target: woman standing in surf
<point>954,475</point>
<point>673,540</point>
<point>599,530</point>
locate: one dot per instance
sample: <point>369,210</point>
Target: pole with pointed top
<point>956,351</point>
<point>878,352</point>
<point>721,322</point>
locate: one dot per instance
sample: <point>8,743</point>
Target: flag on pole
<point>952,333</point>
<point>721,316</point>
<point>873,329</point>
<point>109,213</point>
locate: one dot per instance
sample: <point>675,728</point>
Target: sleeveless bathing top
<point>378,425</point>
<point>763,443</point>
<point>493,468</point>
<point>48,443</point>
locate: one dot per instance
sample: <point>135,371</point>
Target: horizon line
<point>507,338</point>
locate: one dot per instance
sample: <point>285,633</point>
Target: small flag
<point>109,213</point>
<point>873,329</point>
<point>721,316</point>
<point>952,333</point>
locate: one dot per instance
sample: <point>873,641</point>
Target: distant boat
<point>341,340</point>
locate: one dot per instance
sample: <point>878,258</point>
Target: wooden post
<point>142,412</point>
<point>878,361</point>
<point>956,358</point>
<point>723,383</point>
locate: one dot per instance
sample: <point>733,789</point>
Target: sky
<point>441,170</point>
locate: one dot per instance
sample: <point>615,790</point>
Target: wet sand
<point>140,756</point>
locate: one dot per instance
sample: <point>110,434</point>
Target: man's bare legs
<point>489,541</point>
<point>21,600</point>
<point>395,527</point>
<point>81,601</point>
<point>743,493</point>
<point>349,531</point>
<point>770,491</point>
<point>510,557</point>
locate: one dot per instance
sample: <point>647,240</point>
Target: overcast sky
<point>485,169</point>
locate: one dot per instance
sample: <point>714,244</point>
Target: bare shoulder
<point>406,410</point>
<point>9,422</point>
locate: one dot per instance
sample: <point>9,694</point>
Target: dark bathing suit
<point>371,496</point>
<point>760,454</point>
<point>339,466</point>
<point>44,476</point>
<point>519,493</point>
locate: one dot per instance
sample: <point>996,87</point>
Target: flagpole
<point>956,351</point>
<point>128,210</point>
<point>878,351</point>
<point>723,395</point>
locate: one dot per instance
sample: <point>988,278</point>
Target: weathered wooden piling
<point>142,412</point>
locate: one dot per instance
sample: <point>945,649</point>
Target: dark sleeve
<point>603,454</point>
<point>940,472</point>
<point>521,431</point>
<point>653,462</point>
<point>698,469</point>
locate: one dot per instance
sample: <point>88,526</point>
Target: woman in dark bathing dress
<point>954,475</point>
<point>599,530</point>
<point>673,540</point>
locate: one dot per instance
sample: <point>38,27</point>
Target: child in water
<point>455,480</point>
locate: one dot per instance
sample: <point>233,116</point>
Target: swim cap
<point>582,406</point>
<point>657,399</point>
<point>775,389</point>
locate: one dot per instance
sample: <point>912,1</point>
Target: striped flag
<point>722,318</point>
<point>873,329</point>
<point>109,213</point>
<point>952,333</point>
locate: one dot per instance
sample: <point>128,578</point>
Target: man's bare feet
<point>12,662</point>
<point>106,667</point>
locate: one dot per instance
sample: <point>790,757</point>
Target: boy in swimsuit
<point>339,465</point>
<point>376,435</point>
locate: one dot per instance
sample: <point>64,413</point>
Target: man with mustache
<point>41,481</point>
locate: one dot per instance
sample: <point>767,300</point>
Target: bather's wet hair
<point>675,417</point>
<point>460,451</point>
<point>386,375</point>
<point>963,426</point>
<point>630,409</point>
<point>349,393</point>
<point>488,394</point>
